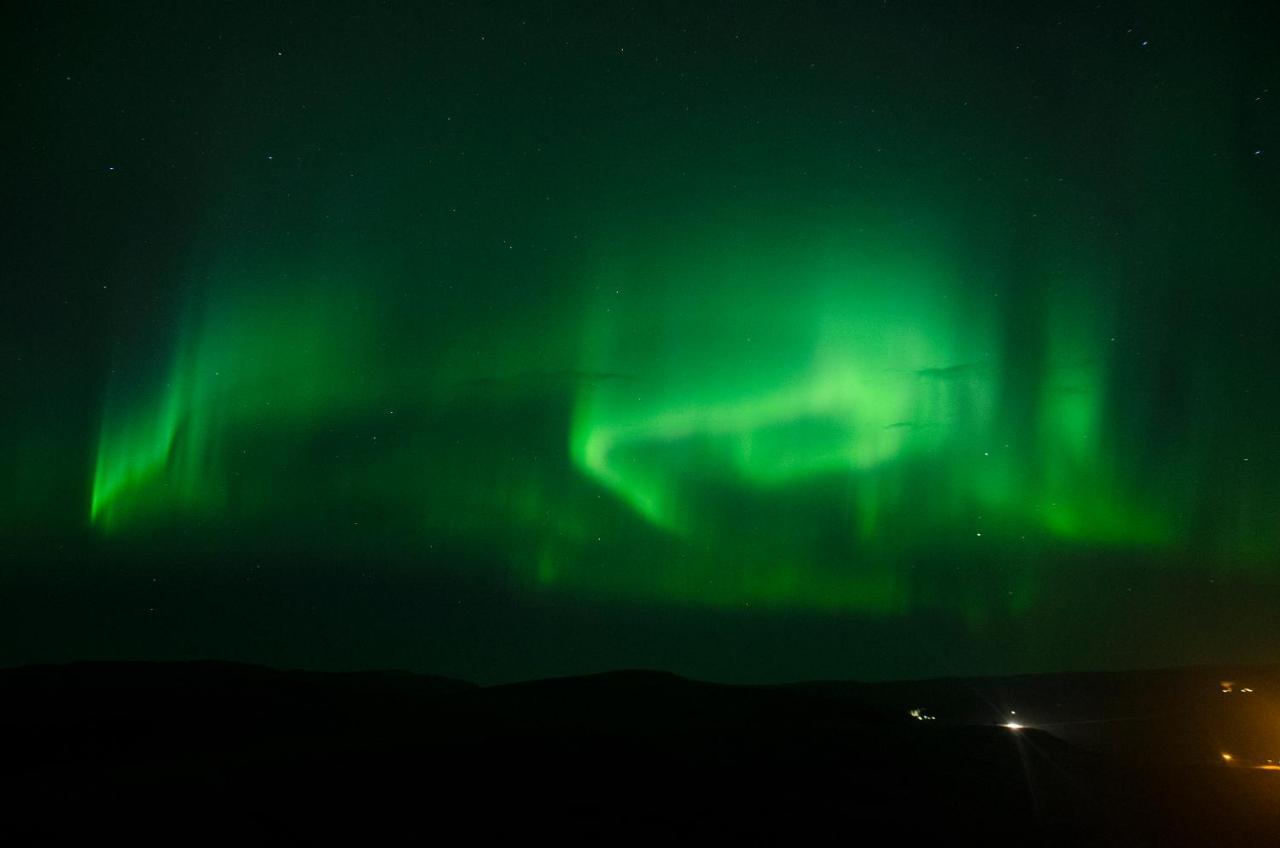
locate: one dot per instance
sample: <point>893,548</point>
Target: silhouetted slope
<point>629,754</point>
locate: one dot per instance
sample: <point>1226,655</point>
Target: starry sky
<point>755,341</point>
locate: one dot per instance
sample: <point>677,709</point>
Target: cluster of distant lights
<point>1265,765</point>
<point>919,714</point>
<point>1228,687</point>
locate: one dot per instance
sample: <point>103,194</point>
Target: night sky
<point>755,341</point>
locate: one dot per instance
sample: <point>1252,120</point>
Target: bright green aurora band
<point>822,411</point>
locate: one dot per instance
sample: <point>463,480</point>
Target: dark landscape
<point>1133,758</point>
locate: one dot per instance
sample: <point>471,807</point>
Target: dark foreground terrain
<point>185,750</point>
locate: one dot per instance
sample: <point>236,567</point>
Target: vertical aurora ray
<point>265,367</point>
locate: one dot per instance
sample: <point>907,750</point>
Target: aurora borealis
<point>941,329</point>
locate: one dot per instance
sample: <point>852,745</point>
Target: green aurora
<point>820,315</point>
<point>820,411</point>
